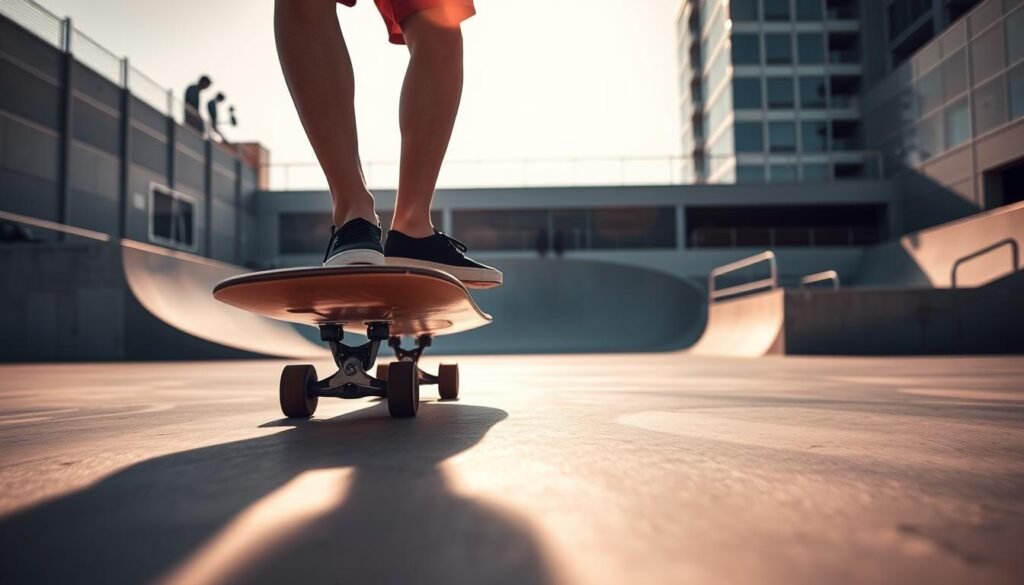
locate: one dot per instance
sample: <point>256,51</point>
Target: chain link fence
<point>43,23</point>
<point>58,32</point>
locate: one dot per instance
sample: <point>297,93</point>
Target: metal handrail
<point>821,277</point>
<point>772,282</point>
<point>1014,251</point>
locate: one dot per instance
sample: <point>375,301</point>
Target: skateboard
<point>386,303</point>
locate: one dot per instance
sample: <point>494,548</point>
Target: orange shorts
<point>395,11</point>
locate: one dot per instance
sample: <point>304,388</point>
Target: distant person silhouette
<point>231,117</point>
<point>318,70</point>
<point>191,114</point>
<point>559,243</point>
<point>211,112</point>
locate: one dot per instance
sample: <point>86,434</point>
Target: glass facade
<point>963,85</point>
<point>610,228</point>
<point>770,88</point>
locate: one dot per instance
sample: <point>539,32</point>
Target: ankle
<point>363,209</point>
<point>413,228</point>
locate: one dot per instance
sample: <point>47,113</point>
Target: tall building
<point>928,91</point>
<point>948,118</point>
<point>771,90</point>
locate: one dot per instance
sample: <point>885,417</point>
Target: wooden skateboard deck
<point>415,301</point>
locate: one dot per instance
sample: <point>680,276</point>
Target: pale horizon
<point>572,80</point>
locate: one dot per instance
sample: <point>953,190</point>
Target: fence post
<point>126,142</point>
<point>67,107</point>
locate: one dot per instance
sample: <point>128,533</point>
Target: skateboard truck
<point>351,380</point>
<point>413,355</point>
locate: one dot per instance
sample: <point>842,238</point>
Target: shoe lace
<point>452,241</point>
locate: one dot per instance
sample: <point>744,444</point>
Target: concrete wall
<point>70,301</point>
<point>905,322</point>
<point>80,150</point>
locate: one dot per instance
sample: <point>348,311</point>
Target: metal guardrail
<point>1014,257</point>
<point>772,282</point>
<point>827,275</point>
<point>568,171</point>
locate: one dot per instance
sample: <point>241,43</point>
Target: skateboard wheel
<point>297,398</point>
<point>382,372</point>
<point>403,389</point>
<point>448,381</point>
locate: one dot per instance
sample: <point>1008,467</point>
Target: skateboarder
<point>318,70</point>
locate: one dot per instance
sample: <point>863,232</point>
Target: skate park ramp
<point>749,326</point>
<point>563,305</point>
<point>979,249</point>
<point>177,289</point>
<point>100,300</point>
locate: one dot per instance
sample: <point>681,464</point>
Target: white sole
<point>356,257</point>
<point>471,277</point>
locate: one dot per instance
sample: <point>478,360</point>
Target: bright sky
<point>544,78</point>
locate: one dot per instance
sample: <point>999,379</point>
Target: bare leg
<point>318,70</point>
<point>430,102</point>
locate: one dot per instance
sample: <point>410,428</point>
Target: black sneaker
<point>356,242</point>
<point>440,252</point>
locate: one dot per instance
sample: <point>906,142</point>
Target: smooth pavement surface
<point>608,469</point>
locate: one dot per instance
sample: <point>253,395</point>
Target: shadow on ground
<point>395,520</point>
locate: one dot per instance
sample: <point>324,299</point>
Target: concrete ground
<point>557,469</point>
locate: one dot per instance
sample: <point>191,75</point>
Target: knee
<point>434,31</point>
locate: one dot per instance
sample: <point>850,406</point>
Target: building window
<point>303,233</point>
<point>990,105</point>
<point>500,229</point>
<point>781,136</point>
<point>172,218</point>
<point>1017,91</point>
<point>743,10</point>
<point>778,49</point>
<point>746,93</point>
<point>812,92</point>
<point>815,172</point>
<point>780,93</point>
<point>958,124</point>
<point>987,53</point>
<point>749,137</point>
<point>782,173</point>
<point>808,10</point>
<point>1015,37</point>
<point>750,173</point>
<point>776,9</point>
<point>810,48</point>
<point>813,136</point>
<point>746,49</point>
<point>596,229</point>
<point>636,227</point>
<point>929,137</point>
<point>904,13</point>
<point>785,225</point>
<point>954,75</point>
<point>928,89</point>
